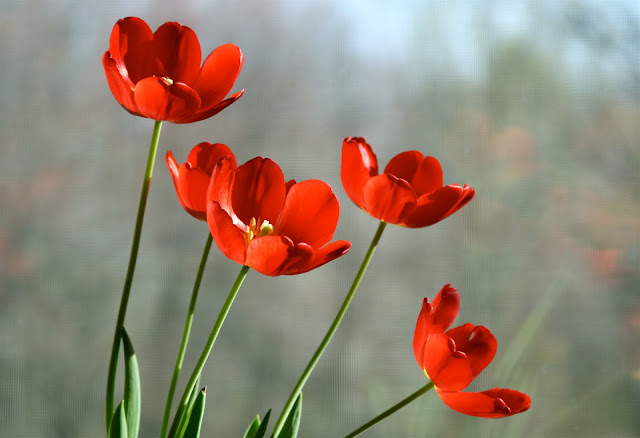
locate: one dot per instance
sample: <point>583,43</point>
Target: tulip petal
<point>218,74</point>
<point>467,195</point>
<point>193,184</point>
<point>159,101</point>
<point>205,113</point>
<point>206,155</point>
<point>421,333</point>
<point>173,166</point>
<point>175,53</point>
<point>327,253</point>
<point>428,176</point>
<point>121,87</point>
<point>221,183</point>
<point>182,101</point>
<point>435,318</point>
<point>477,343</point>
<point>300,257</point>
<point>388,198</point>
<point>258,191</point>
<point>268,254</point>
<point>228,237</point>
<point>405,165</point>
<point>359,165</point>
<point>447,368</point>
<point>423,174</point>
<point>290,184</point>
<point>129,47</point>
<point>174,170</point>
<point>192,179</point>
<point>494,403</point>
<point>310,213</point>
<point>435,206</point>
<point>446,305</point>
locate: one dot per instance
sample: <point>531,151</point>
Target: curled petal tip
<point>501,407</point>
<point>171,163</point>
<point>448,289</point>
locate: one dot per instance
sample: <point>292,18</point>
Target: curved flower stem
<point>391,410</point>
<point>185,336</point>
<point>207,348</point>
<point>334,326</point>
<point>124,301</point>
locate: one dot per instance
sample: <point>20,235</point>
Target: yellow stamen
<point>265,229</point>
<point>253,230</point>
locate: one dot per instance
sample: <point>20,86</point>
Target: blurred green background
<point>536,104</point>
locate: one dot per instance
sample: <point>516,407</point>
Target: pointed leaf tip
<point>118,425</point>
<point>132,396</point>
<point>253,428</point>
<point>292,423</point>
<point>263,426</point>
<point>197,413</point>
<point>184,418</point>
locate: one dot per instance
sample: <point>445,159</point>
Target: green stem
<point>207,349</point>
<point>124,301</point>
<point>391,410</point>
<point>185,337</point>
<point>334,326</point>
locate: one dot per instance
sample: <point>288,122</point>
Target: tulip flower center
<point>167,80</point>
<point>254,230</point>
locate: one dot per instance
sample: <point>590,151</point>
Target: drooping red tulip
<point>158,74</point>
<point>410,192</point>
<point>276,228</point>
<point>192,177</point>
<point>453,358</point>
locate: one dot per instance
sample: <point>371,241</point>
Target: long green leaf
<point>263,426</point>
<point>292,423</point>
<point>131,387</point>
<point>118,424</point>
<point>184,420</point>
<point>197,412</point>
<point>253,428</point>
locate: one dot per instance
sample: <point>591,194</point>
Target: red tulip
<point>409,192</point>
<point>158,75</point>
<point>453,358</point>
<point>192,178</point>
<point>276,228</point>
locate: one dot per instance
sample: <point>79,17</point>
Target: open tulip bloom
<point>158,74</point>
<point>453,358</point>
<point>277,227</point>
<point>410,192</point>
